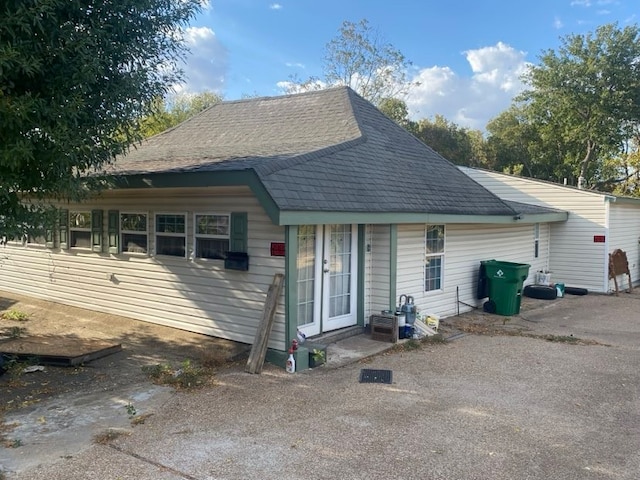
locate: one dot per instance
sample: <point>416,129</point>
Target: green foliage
<point>14,315</point>
<point>581,109</point>
<point>187,376</point>
<point>178,109</point>
<point>457,144</point>
<point>75,77</point>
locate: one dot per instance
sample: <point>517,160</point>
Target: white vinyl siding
<point>466,247</point>
<point>624,233</point>
<point>192,295</point>
<point>574,259</point>
<point>377,282</point>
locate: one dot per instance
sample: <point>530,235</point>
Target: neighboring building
<point>579,248</point>
<point>320,186</point>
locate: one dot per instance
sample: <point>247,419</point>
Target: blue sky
<point>467,55</point>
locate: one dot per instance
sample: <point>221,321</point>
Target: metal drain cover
<point>368,375</point>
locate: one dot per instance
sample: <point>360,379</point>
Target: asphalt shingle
<point>329,150</point>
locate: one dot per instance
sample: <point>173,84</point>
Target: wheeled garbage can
<point>505,281</point>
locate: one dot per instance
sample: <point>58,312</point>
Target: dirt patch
<point>478,322</point>
<point>143,345</point>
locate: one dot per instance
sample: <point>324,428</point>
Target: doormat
<point>375,376</point>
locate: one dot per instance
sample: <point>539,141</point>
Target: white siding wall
<point>465,247</point>
<point>199,296</point>
<point>624,233</point>
<point>377,281</point>
<point>575,259</point>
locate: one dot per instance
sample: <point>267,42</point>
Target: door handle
<point>326,270</point>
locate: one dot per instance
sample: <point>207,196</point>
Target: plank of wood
<point>58,350</point>
<point>259,347</point>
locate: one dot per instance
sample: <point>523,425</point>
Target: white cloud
<point>557,23</point>
<point>288,87</point>
<point>275,6</point>
<point>470,101</point>
<point>581,3</point>
<point>206,65</point>
<point>295,65</point>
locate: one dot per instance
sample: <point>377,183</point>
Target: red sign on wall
<point>277,249</point>
<point>598,238</point>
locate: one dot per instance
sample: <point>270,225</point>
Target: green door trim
<point>361,271</point>
<point>393,265</point>
<point>291,284</point>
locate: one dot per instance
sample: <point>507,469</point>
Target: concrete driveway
<point>480,407</point>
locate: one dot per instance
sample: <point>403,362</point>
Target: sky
<point>467,55</point>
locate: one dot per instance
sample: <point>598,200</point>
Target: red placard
<point>598,238</point>
<point>277,249</point>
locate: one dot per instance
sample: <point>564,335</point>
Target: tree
<point>584,101</point>
<point>75,78</point>
<point>361,59</point>
<point>457,144</point>
<point>396,110</point>
<point>178,109</point>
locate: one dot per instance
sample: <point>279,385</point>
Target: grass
<point>187,376</point>
<point>14,315</point>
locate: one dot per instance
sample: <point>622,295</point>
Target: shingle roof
<point>329,150</point>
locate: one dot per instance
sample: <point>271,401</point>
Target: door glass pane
<point>340,270</point>
<point>306,273</point>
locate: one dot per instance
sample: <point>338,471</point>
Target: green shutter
<point>114,231</point>
<point>96,230</point>
<point>63,229</point>
<point>238,237</point>
<point>49,239</point>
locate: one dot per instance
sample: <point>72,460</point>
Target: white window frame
<point>73,229</point>
<point>123,232</point>
<point>175,235</point>
<point>197,235</point>
<point>440,255</point>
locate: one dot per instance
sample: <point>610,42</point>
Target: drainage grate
<point>375,376</point>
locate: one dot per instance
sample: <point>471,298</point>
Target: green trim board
<point>287,217</point>
<point>393,265</point>
<point>361,272</point>
<point>202,179</point>
<point>291,284</point>
<point>322,218</point>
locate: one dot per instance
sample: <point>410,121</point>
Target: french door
<point>327,280</point>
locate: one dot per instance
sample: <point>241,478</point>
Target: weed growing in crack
<point>187,376</point>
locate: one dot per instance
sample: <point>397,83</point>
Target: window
<point>171,234</point>
<point>211,235</point>
<point>80,229</point>
<point>133,231</point>
<point>536,240</point>
<point>434,257</point>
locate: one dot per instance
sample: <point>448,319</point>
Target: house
<point>579,248</point>
<point>320,186</point>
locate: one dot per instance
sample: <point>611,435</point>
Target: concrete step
<point>336,335</point>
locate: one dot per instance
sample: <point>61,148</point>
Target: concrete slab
<point>353,349</point>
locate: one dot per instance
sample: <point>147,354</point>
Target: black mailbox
<point>236,261</point>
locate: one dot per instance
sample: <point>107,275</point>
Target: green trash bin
<point>505,286</point>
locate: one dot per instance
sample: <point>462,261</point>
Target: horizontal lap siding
<point>624,233</point>
<point>378,282</point>
<point>465,247</point>
<point>199,296</point>
<point>575,259</point>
